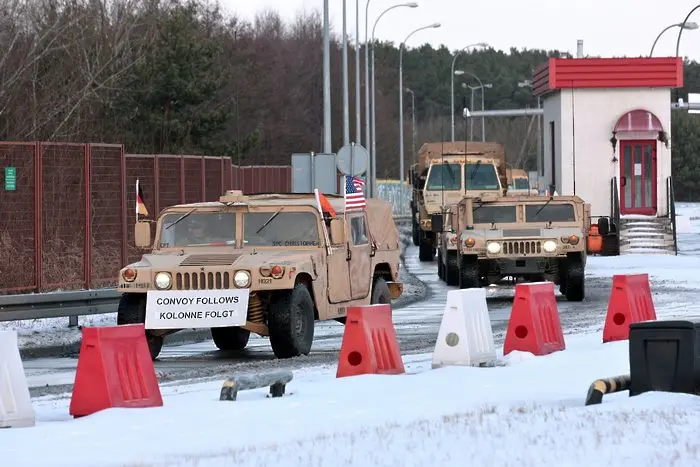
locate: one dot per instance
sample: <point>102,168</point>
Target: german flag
<point>140,206</point>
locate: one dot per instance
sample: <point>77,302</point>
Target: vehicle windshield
<point>285,229</point>
<point>521,184</point>
<point>550,213</point>
<point>497,214</point>
<point>198,229</point>
<point>481,176</point>
<point>444,177</point>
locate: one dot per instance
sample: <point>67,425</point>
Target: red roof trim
<point>638,120</point>
<point>611,73</point>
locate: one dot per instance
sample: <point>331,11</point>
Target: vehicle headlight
<point>550,246</point>
<point>241,279</point>
<point>493,248</point>
<point>163,280</point>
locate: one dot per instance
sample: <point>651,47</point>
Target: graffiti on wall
<point>392,192</point>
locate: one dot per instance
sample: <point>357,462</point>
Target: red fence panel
<point>18,251</point>
<point>263,179</point>
<point>169,187</point>
<point>194,178</point>
<point>106,216</point>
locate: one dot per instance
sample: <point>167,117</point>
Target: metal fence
<point>66,208</point>
<point>399,197</point>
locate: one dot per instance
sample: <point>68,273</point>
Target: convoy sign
<point>182,309</point>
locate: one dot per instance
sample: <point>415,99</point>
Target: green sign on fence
<point>10,178</point>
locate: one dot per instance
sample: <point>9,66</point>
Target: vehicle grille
<point>522,247</point>
<point>209,260</point>
<point>202,280</point>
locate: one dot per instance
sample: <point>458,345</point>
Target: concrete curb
<point>193,336</point>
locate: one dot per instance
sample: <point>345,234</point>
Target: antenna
<point>442,173</point>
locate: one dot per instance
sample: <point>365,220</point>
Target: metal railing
<point>72,304</point>
<point>671,201</point>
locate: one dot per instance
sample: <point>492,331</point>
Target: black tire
<point>291,322</point>
<point>452,268</point>
<point>230,338</point>
<point>426,252</point>
<point>603,226</point>
<point>415,231</point>
<point>468,272</point>
<point>132,310</point>
<point>575,289</point>
<point>380,292</point>
<point>440,269</point>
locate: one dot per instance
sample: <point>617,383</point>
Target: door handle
<point>623,181</point>
<point>349,255</point>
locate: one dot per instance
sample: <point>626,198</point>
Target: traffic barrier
<point>276,380</point>
<point>465,336</point>
<point>630,302</point>
<point>600,387</point>
<point>534,324</point>
<point>114,370</point>
<point>369,343</point>
<point>16,410</point>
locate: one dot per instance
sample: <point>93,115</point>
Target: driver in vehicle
<point>196,232</point>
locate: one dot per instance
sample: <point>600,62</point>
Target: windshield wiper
<point>544,205</point>
<point>269,220</point>
<point>473,174</point>
<point>181,217</point>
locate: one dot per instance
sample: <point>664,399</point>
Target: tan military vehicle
<point>534,238</point>
<point>446,172</point>
<point>269,264</point>
<point>519,183</point>
<point>448,247</point>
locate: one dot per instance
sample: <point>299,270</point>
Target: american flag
<point>354,197</point>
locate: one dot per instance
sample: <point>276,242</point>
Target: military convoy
<point>270,264</point>
<point>444,174</point>
<point>533,238</point>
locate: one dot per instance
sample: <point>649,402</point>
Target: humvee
<point>448,248</point>
<point>292,262</point>
<point>534,238</point>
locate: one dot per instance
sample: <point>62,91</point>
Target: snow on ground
<point>529,412</point>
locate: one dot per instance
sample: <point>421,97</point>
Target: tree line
<point>181,77</point>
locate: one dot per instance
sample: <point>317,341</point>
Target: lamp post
<point>680,31</point>
<point>373,153</point>
<point>540,162</point>
<point>690,26</point>
<point>481,87</point>
<point>346,103</point>
<point>413,123</point>
<point>401,47</point>
<point>358,46</point>
<point>452,82</point>
<point>327,147</point>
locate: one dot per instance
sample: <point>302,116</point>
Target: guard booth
<point>606,135</point>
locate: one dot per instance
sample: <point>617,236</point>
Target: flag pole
<point>137,200</point>
<point>326,237</point>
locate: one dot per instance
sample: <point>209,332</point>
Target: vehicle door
<point>360,262</point>
<point>338,271</point>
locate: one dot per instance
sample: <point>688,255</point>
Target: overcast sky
<point>607,27</point>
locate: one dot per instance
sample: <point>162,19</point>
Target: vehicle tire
<point>426,252</point>
<point>380,292</point>
<point>440,269</point>
<point>574,289</point>
<point>452,269</point>
<point>132,310</point>
<point>468,272</point>
<point>230,338</point>
<point>291,322</point>
<point>415,231</point>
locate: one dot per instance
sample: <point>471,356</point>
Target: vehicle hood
<point>238,259</point>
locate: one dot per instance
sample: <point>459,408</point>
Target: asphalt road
<point>416,326</point>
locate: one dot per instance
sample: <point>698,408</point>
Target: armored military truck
<point>448,247</point>
<point>519,183</point>
<point>533,238</point>
<point>269,264</point>
<point>446,172</point>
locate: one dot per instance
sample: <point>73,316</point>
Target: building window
<point>357,228</point>
<point>553,156</point>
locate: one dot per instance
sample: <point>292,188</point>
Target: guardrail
<point>73,304</point>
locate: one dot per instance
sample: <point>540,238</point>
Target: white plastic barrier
<point>465,336</point>
<point>16,408</point>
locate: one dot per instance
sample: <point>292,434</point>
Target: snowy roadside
<point>51,337</point>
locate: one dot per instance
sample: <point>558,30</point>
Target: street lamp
<point>481,86</point>
<point>401,47</point>
<point>413,123</point>
<point>373,153</point>
<point>680,31</point>
<point>452,82</point>
<point>690,25</point>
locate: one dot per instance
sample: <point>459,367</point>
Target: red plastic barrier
<point>114,370</point>
<point>369,343</point>
<point>534,324</point>
<point>630,302</point>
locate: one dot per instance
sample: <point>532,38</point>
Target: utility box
<point>664,356</point>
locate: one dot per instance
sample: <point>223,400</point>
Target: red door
<point>638,177</point>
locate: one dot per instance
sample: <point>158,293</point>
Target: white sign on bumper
<point>182,309</point>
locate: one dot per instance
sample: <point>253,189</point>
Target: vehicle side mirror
<point>436,222</point>
<point>337,231</point>
<point>142,234</point>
